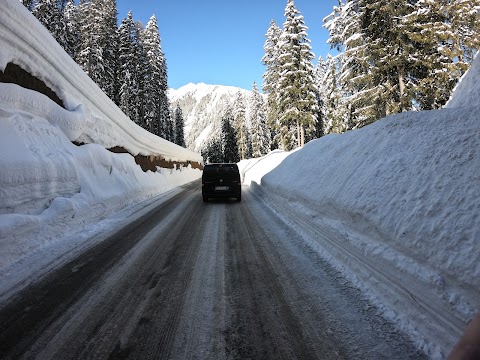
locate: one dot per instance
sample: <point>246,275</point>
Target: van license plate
<point>221,188</point>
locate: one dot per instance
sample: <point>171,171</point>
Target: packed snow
<point>405,189</point>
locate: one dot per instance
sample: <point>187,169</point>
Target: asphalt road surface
<point>194,280</point>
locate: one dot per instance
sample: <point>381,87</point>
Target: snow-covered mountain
<point>203,106</point>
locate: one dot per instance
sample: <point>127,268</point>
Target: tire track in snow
<point>221,280</point>
<point>398,291</point>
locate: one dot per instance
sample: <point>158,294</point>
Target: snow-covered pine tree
<point>394,55</point>
<point>127,69</point>
<point>296,92</point>
<point>141,74</point>
<point>259,129</point>
<point>228,138</point>
<point>151,41</point>
<point>449,35</point>
<point>90,54</point>
<point>333,106</point>
<point>271,75</point>
<point>353,80</point>
<point>463,17</point>
<point>320,72</point>
<point>158,106</point>
<point>179,125</point>
<point>97,53</point>
<point>436,73</point>
<point>168,120</point>
<point>72,34</point>
<point>108,41</point>
<point>48,13</point>
<point>240,125</point>
<point>53,14</point>
<point>165,115</point>
<point>29,4</point>
<point>400,55</point>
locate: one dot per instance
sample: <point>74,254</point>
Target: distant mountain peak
<point>203,106</point>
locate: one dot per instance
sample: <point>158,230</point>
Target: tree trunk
<point>401,82</point>
<point>302,136</point>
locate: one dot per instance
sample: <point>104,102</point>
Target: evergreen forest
<point>390,57</point>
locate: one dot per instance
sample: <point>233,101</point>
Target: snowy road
<point>194,280</point>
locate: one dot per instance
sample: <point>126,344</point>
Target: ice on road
<point>194,280</point>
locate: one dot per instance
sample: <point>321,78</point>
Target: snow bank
<point>29,45</point>
<point>414,177</point>
<point>49,187</point>
<point>406,190</point>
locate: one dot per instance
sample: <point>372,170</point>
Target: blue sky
<point>221,42</point>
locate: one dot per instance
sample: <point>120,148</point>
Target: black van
<point>221,180</point>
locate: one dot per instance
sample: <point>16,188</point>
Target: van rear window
<point>220,168</point>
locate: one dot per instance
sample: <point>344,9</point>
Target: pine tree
<point>154,78</point>
<point>29,4</point>
<point>59,17</point>
<point>392,53</point>
<point>72,34</point>
<point>158,106</point>
<point>448,33</point>
<point>353,68</point>
<point>463,17</point>
<point>398,56</point>
<point>48,13</point>
<point>240,125</point>
<point>319,75</point>
<point>272,75</point>
<point>141,68</point>
<point>212,151</point>
<point>229,138</point>
<point>127,71</point>
<point>108,41</point>
<point>259,129</point>
<point>179,125</point>
<point>169,125</point>
<point>427,27</point>
<point>296,88</point>
<point>333,106</point>
<point>97,53</point>
<point>90,54</point>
